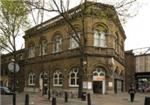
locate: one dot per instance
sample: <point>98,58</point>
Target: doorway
<point>97,87</point>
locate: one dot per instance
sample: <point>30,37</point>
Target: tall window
<point>31,51</point>
<point>31,79</point>
<point>43,48</point>
<point>73,42</point>
<point>99,38</point>
<point>57,78</point>
<point>57,44</point>
<point>74,77</point>
<point>117,42</point>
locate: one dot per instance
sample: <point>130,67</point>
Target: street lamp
<point>14,68</point>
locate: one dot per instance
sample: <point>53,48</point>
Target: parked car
<point>5,91</point>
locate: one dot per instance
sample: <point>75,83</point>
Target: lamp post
<point>49,93</point>
<point>14,68</point>
<point>42,83</point>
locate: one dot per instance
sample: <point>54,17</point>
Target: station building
<point>52,56</point>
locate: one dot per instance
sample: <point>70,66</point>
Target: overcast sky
<point>137,29</point>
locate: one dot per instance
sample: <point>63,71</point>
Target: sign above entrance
<point>98,78</point>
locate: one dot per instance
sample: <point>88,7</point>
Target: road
<point>110,99</point>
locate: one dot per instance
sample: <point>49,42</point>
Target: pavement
<point>96,99</point>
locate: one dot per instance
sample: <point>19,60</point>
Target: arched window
<point>99,39</point>
<point>57,44</point>
<point>31,79</point>
<point>43,47</point>
<point>100,36</point>
<point>117,42</point>
<point>73,42</point>
<point>31,51</point>
<point>74,77</point>
<point>57,78</point>
<point>99,71</point>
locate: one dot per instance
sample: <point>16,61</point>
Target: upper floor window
<point>43,47</point>
<point>99,38</point>
<point>57,78</point>
<point>31,79</point>
<point>117,42</point>
<point>74,77</point>
<point>31,51</point>
<point>73,40</point>
<point>57,44</point>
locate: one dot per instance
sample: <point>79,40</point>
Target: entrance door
<point>97,87</point>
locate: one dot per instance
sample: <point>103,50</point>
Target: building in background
<point>7,76</point>
<point>138,71</point>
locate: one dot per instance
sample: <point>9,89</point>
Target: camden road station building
<point>52,56</point>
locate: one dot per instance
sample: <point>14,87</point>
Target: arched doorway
<point>43,82</point>
<point>99,84</point>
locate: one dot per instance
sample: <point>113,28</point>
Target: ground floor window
<point>57,78</point>
<point>31,79</point>
<point>74,77</point>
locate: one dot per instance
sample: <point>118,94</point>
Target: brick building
<point>52,56</point>
<point>52,59</point>
<point>7,76</point>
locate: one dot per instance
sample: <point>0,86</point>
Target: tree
<point>13,18</point>
<point>62,7</point>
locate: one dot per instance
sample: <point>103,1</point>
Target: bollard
<point>83,98</point>
<point>53,101</point>
<point>14,99</point>
<point>66,97</point>
<point>27,99</point>
<point>147,101</point>
<point>89,99</point>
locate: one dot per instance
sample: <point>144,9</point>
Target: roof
<point>59,18</point>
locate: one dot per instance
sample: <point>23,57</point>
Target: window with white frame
<point>57,78</point>
<point>99,38</point>
<point>31,52</point>
<point>57,44</point>
<point>74,77</point>
<point>99,71</point>
<point>73,42</point>
<point>31,79</point>
<point>43,48</point>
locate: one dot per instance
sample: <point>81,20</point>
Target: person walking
<point>132,92</point>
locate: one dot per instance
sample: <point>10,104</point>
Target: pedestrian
<point>132,92</point>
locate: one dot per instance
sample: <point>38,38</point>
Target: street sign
<point>11,67</point>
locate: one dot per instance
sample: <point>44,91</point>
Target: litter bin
<point>147,101</point>
<point>83,96</point>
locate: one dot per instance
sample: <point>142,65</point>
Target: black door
<point>97,87</point>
